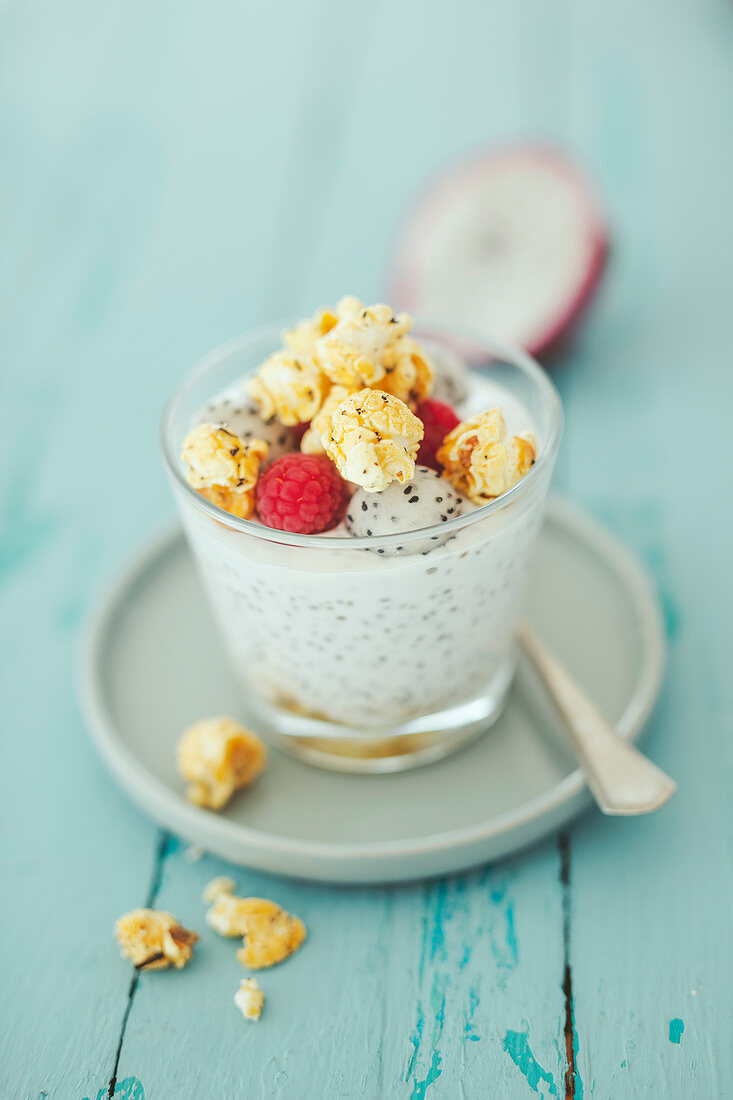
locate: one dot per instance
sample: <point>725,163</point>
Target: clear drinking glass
<point>370,654</point>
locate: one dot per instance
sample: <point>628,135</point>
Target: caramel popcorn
<point>353,352</point>
<point>236,503</point>
<point>409,372</point>
<point>373,439</point>
<point>223,467</point>
<point>153,940</point>
<point>219,756</point>
<point>290,387</point>
<point>312,441</point>
<point>249,999</point>
<point>270,934</point>
<point>217,458</point>
<point>481,461</point>
<point>302,339</point>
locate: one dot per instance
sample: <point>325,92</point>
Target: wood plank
<point>74,851</point>
<point>651,898</point>
<point>99,320</point>
<point>444,987</point>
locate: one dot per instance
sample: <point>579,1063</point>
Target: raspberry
<point>439,419</point>
<point>301,493</point>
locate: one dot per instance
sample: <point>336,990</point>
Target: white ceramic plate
<point>152,664</point>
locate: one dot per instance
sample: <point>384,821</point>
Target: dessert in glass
<point>362,498</point>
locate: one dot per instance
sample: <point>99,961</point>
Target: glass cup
<point>370,654</point>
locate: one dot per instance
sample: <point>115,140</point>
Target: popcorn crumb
<point>249,999</point>
<point>373,439</point>
<point>270,933</point>
<point>353,351</point>
<point>194,853</point>
<point>409,373</point>
<point>221,885</point>
<point>219,756</point>
<point>481,461</point>
<point>290,387</point>
<point>223,467</point>
<point>154,940</point>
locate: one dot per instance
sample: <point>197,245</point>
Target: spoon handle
<point>622,779</point>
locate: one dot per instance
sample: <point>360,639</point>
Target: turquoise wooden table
<point>172,173</point>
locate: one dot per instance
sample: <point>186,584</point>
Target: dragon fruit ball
<point>239,414</point>
<point>425,500</point>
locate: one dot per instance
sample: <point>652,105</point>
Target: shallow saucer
<point>152,664</point>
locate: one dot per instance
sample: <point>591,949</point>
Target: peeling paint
<point>129,1089</point>
<point>504,945</point>
<point>420,1088</point>
<point>433,951</point>
<point>516,1045</point>
<point>676,1028</point>
<point>473,1003</point>
<point>27,536</point>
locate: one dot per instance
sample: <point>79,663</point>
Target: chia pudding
<point>401,616</point>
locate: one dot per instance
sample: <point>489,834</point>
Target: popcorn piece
<point>224,468</point>
<point>237,504</point>
<point>409,372</point>
<point>218,886</point>
<point>290,387</point>
<point>312,441</point>
<point>302,339</point>
<point>353,352</point>
<point>154,940</point>
<point>270,934</point>
<point>217,458</point>
<point>249,999</point>
<point>219,756</point>
<point>373,439</point>
<point>481,461</point>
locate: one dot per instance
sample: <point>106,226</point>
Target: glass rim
<point>514,355</point>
